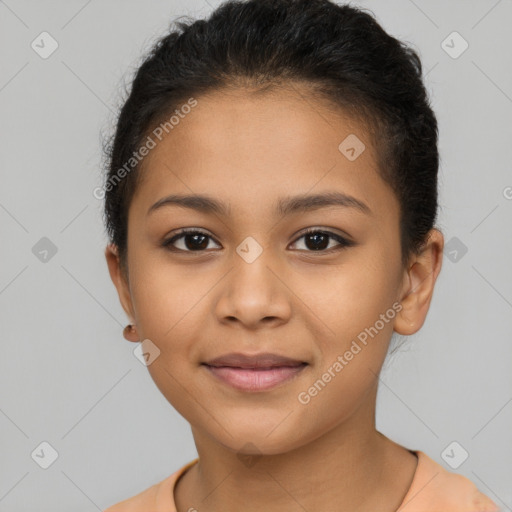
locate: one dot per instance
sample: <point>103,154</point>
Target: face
<point>248,279</point>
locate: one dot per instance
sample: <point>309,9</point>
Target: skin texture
<point>248,151</point>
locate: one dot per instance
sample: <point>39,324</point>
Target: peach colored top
<point>433,489</point>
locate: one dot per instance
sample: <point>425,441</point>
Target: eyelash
<point>343,242</point>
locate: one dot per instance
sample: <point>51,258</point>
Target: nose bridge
<point>252,291</point>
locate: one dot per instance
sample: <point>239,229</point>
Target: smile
<point>255,379</point>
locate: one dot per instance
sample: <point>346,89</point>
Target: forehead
<point>249,150</point>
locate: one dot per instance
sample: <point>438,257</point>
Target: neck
<point>353,466</point>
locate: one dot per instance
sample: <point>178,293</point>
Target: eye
<point>195,240</point>
<point>318,240</point>
<point>192,239</point>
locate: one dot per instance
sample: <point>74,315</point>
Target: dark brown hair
<point>340,51</point>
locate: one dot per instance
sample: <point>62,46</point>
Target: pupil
<point>318,239</point>
<point>195,246</point>
<point>316,245</point>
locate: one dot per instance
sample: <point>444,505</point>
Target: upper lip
<point>263,360</point>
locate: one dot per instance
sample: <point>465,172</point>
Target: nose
<point>254,295</point>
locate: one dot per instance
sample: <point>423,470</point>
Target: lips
<point>254,373</point>
<point>265,360</point>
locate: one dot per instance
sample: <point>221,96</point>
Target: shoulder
<point>157,498</point>
<point>435,488</point>
<point>142,501</point>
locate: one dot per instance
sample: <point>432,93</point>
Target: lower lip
<point>255,380</point>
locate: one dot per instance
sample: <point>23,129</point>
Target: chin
<point>253,448</point>
<point>257,442</point>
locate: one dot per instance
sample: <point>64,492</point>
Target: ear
<point>418,287</point>
<point>120,281</point>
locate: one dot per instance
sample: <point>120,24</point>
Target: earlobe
<point>119,280</point>
<point>419,282</point>
<point>130,333</point>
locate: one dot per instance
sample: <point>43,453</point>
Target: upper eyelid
<point>187,231</point>
<point>328,231</point>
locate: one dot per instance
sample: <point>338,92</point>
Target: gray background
<point>68,377</point>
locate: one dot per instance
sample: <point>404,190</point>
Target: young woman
<point>270,204</point>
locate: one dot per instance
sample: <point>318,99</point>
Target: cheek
<point>162,295</point>
<point>349,299</point>
<point>357,308</point>
<point>166,309</point>
<point>335,397</point>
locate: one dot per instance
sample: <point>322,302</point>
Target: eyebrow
<point>285,206</point>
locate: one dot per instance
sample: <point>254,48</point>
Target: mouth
<point>254,373</point>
